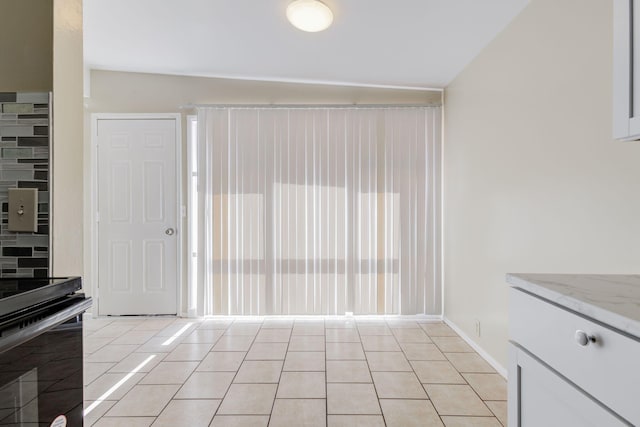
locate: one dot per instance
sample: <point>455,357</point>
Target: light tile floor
<point>274,371</point>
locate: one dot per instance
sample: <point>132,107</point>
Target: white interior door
<point>137,216</point>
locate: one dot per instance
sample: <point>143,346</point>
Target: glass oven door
<point>41,367</point>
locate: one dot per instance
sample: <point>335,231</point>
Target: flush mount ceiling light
<point>309,15</point>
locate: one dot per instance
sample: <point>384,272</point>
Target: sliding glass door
<point>319,210</point>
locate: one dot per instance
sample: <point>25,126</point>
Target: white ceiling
<point>406,43</point>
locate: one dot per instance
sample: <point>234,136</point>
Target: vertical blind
<point>319,210</point>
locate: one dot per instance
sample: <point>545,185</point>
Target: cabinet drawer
<point>549,400</point>
<point>609,369</point>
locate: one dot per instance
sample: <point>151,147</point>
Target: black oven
<point>41,352</point>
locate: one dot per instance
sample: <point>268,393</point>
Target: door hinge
<point>97,216</point>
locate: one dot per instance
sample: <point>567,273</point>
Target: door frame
<point>92,197</point>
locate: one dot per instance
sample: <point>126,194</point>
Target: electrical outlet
<point>477,323</point>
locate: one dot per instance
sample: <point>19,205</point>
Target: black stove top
<point>10,287</point>
<point>20,293</point>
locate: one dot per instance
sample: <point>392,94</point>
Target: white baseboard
<point>429,317</point>
<point>490,360</point>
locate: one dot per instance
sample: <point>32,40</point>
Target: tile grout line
<point>466,383</point>
<point>144,376</point>
<point>416,374</point>
<point>422,384</point>
<point>155,418</point>
<point>375,389</point>
<point>326,377</point>
<point>187,379</point>
<point>138,383</point>
<point>275,395</point>
<point>239,367</point>
<point>394,332</point>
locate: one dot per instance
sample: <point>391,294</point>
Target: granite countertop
<point>613,299</point>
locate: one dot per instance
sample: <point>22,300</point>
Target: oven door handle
<point>49,322</point>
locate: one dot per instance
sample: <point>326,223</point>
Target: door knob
<point>169,231</point>
<point>583,339</point>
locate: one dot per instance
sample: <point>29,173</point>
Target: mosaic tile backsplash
<point>24,163</point>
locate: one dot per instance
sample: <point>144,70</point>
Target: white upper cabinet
<point>626,70</point>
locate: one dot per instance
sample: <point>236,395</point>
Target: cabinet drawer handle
<point>583,339</point>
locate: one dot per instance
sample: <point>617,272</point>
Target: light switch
<point>23,209</point>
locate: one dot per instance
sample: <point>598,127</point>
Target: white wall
<point>533,181</point>
<point>26,43</point>
<point>121,92</point>
<point>66,154</point>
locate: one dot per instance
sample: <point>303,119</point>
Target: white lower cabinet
<point>547,399</point>
<point>566,370</point>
